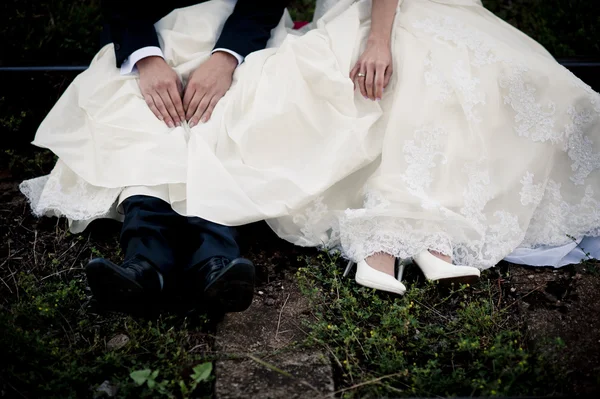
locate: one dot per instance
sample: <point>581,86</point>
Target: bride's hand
<point>373,70</point>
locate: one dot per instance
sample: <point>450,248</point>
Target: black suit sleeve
<point>249,27</point>
<point>130,24</point>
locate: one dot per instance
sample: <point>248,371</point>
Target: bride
<point>386,129</point>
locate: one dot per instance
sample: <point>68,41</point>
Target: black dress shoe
<point>127,287</point>
<point>226,286</point>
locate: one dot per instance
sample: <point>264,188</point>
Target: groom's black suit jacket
<point>130,24</point>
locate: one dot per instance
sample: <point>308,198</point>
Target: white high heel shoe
<point>372,278</point>
<point>436,269</point>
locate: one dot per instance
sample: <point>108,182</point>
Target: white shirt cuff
<point>128,66</point>
<point>236,55</point>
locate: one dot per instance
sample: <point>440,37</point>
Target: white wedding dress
<point>482,147</point>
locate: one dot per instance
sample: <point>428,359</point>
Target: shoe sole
<point>233,290</point>
<point>377,286</point>
<point>459,280</point>
<point>111,287</point>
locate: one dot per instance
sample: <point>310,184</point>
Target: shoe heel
<point>348,268</point>
<point>400,265</point>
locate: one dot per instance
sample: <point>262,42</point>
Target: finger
<point>379,80</point>
<point>163,110</point>
<point>210,108</point>
<point>361,82</point>
<point>370,81</point>
<point>166,99</point>
<point>388,76</point>
<point>188,95</point>
<point>193,104</point>
<point>152,106</point>
<point>175,95</point>
<point>200,111</point>
<point>180,87</point>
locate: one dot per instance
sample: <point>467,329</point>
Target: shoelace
<point>217,262</point>
<point>135,264</point>
<point>136,267</point>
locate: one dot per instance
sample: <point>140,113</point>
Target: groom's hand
<point>162,90</point>
<point>207,85</point>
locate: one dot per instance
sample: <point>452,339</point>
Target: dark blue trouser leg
<point>154,231</point>
<point>151,229</point>
<point>210,240</point>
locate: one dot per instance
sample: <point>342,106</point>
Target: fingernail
<point>378,99</point>
<point>170,124</point>
<point>366,98</point>
<point>203,120</point>
<point>192,124</point>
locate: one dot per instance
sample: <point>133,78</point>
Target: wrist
<point>378,40</point>
<point>228,60</point>
<point>146,61</point>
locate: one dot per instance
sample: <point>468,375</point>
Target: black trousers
<point>154,231</point>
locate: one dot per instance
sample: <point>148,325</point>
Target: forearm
<point>249,27</point>
<point>383,13</point>
<point>131,27</point>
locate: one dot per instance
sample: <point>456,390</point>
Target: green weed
<point>53,347</point>
<point>462,341</point>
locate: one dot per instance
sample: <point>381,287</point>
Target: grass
<point>565,28</point>
<point>51,31</point>
<point>56,345</point>
<point>459,341</point>
<point>52,348</point>
<point>302,10</point>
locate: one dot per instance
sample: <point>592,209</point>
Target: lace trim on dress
<point>64,194</point>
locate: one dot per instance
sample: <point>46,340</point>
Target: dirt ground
<point>564,304</point>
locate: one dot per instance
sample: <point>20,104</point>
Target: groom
<point>157,241</point>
